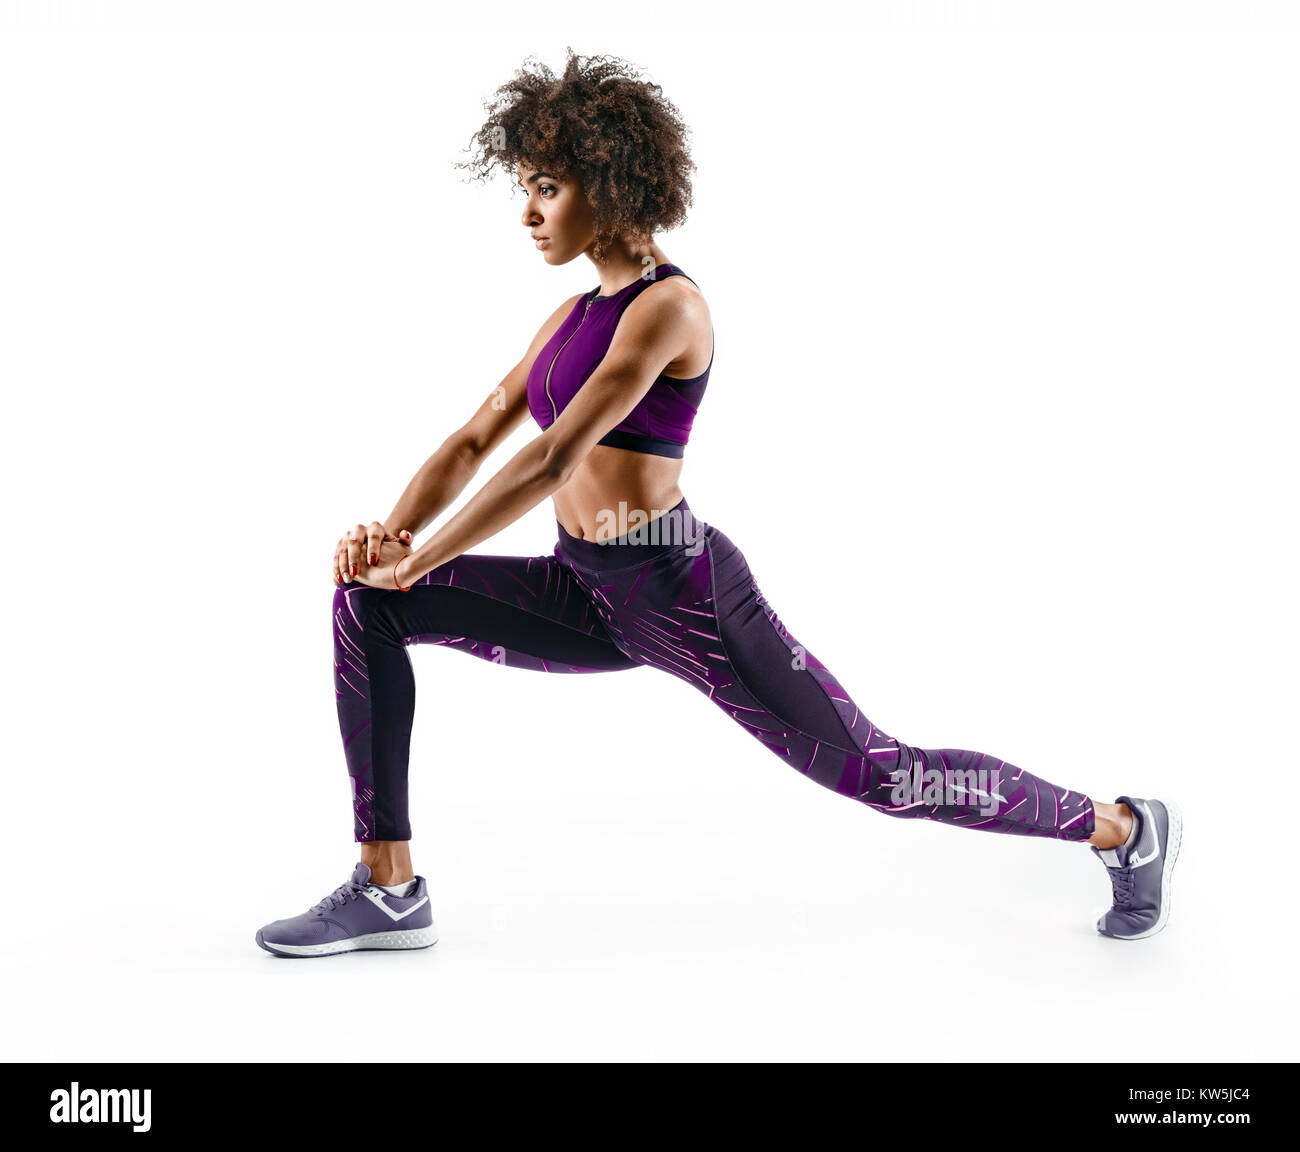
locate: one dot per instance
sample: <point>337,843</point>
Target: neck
<point>625,266</point>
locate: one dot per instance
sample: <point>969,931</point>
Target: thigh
<point>522,611</point>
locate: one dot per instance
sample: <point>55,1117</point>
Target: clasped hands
<point>368,555</point>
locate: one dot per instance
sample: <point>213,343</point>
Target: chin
<point>555,257</point>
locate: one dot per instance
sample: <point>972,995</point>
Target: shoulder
<point>671,299</point>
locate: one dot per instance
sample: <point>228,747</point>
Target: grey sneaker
<point>355,917</point>
<point>1139,877</point>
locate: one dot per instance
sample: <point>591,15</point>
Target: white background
<point>1002,415</point>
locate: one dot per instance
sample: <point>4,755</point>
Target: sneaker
<point>355,917</point>
<point>1139,876</point>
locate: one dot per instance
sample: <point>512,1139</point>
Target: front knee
<point>356,611</point>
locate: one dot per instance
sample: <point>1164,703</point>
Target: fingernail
<point>372,559</point>
<point>354,569</point>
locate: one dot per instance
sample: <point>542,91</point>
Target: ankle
<point>391,879</point>
<point>389,861</point>
<point>1114,822</point>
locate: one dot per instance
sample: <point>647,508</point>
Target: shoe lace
<point>1121,885</point>
<point>340,896</point>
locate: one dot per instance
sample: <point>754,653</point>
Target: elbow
<point>556,464</point>
<point>465,450</point>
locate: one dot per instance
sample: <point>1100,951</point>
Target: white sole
<point>1171,858</point>
<point>410,938</point>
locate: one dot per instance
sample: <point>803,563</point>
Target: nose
<point>530,214</point>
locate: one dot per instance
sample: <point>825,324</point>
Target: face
<point>557,214</point>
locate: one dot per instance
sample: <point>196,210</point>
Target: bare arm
<point>656,328</point>
<point>444,475</point>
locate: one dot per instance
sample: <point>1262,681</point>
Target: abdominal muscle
<point>588,505</point>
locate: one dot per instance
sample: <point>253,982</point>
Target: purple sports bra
<point>661,423</point>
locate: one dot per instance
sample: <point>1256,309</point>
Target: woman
<point>614,378</point>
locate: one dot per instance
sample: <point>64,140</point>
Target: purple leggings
<point>675,594</point>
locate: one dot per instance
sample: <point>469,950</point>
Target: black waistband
<point>617,438</point>
<point>675,528</point>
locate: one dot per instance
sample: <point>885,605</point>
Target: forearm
<point>525,481</point>
<point>441,478</point>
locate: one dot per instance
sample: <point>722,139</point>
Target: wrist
<point>399,576</point>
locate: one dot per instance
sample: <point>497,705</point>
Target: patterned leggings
<point>675,594</point>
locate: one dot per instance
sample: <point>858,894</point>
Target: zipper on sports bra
<point>546,384</point>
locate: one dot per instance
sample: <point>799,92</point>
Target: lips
<point>538,241</point>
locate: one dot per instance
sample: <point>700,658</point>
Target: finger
<point>338,561</point>
<point>375,537</point>
<point>356,540</point>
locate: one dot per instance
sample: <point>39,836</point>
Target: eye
<point>545,188</point>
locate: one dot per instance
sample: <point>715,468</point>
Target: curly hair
<point>602,125</point>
